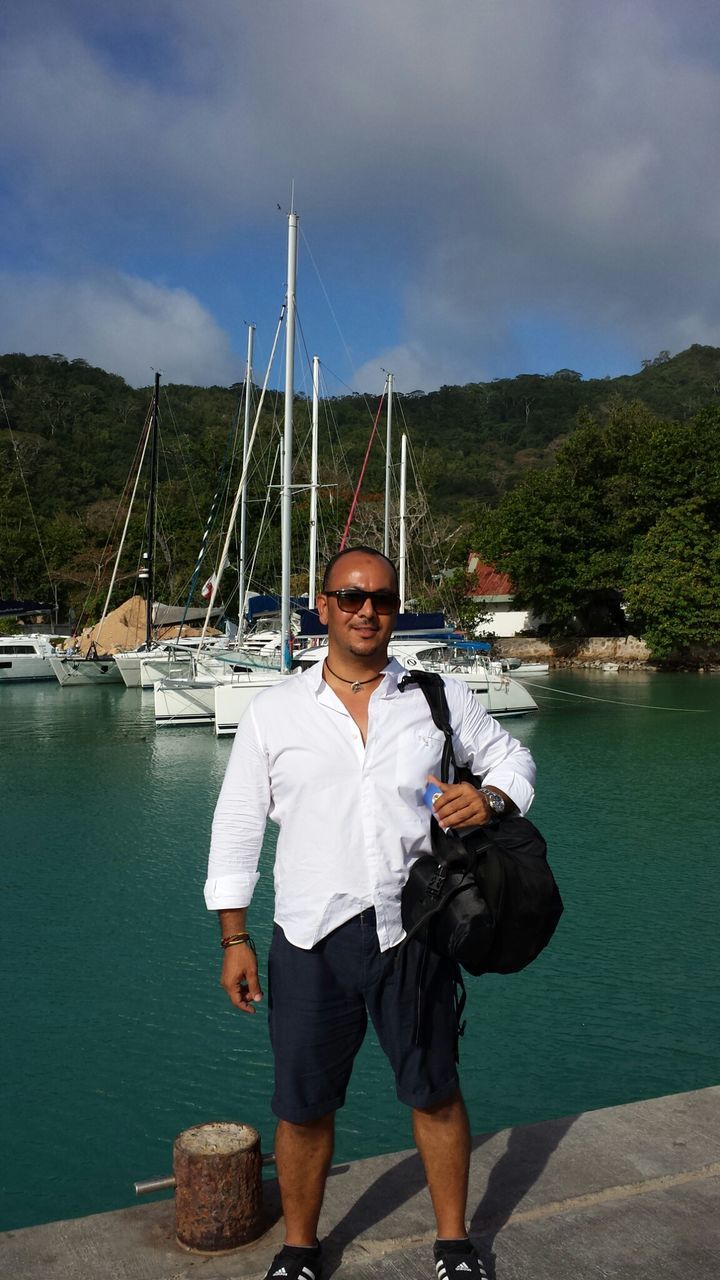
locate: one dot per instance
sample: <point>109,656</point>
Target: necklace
<point>355,685</point>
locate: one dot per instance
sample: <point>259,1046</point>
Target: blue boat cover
<point>473,646</point>
<point>310,624</point>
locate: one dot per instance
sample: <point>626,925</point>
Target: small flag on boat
<point>207,590</point>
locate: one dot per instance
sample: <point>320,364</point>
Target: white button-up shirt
<point>351,815</point>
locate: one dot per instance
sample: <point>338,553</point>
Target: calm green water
<point>116,1035</point>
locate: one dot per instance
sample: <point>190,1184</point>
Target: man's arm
<point>239,977</point>
<point>238,829</point>
<point>505,765</point>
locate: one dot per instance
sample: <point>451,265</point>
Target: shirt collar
<point>393,673</point>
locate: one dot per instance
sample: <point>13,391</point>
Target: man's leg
<point>442,1135</point>
<point>303,1153</point>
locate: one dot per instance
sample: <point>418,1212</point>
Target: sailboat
<point>195,699</point>
<point>499,694</point>
<point>95,667</point>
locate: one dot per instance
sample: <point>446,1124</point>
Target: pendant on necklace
<point>355,686</point>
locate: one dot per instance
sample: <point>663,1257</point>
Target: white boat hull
<point>139,671</point>
<point>25,658</point>
<point>499,695</point>
<point>184,701</point>
<point>232,700</point>
<point>86,671</point>
<point>494,688</point>
<point>527,669</point>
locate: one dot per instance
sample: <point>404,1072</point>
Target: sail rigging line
<point>27,493</point>
<point>221,491</point>
<point>327,531</point>
<point>236,505</point>
<point>235,428</point>
<point>264,516</point>
<point>327,299</point>
<point>230,443</point>
<point>160,537</point>
<point>616,702</point>
<point>178,439</point>
<point>326,401</point>
<point>135,468</point>
<point>351,390</point>
<point>338,459</point>
<point>146,434</point>
<point>356,494</point>
<point>435,538</point>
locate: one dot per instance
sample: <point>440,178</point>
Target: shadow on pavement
<point>515,1173</point>
<point>394,1188</point>
<point>518,1169</point>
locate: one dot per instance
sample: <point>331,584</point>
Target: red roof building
<point>497,594</point>
<point>489,585</point>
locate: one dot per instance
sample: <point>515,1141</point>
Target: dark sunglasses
<point>352,599</point>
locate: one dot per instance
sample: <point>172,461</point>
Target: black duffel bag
<point>486,898</point>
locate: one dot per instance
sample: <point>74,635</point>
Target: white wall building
<point>496,593</point>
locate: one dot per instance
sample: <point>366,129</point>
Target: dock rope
<point>617,702</point>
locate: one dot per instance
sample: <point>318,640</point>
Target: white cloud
<point>547,155</point>
<point>125,325</point>
<point>417,365</point>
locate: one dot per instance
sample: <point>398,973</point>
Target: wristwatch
<point>496,802</point>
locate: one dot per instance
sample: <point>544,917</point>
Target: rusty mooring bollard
<point>218,1187</point>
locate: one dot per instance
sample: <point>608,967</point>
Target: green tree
<point>452,596</point>
<point>569,537</point>
<point>673,581</point>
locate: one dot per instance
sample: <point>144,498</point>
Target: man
<point>340,757</point>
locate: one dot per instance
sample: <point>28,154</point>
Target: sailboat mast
<point>242,586</point>
<point>151,516</point>
<point>388,464</point>
<point>403,533</point>
<point>314,483</point>
<point>286,524</point>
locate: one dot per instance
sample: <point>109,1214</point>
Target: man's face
<point>364,634</point>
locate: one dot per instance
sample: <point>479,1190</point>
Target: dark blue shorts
<point>319,1001</point>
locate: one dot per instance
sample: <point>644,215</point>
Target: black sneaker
<point>294,1262</point>
<point>457,1260</point>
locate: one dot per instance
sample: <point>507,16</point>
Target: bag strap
<point>439,906</point>
<point>447,845</point>
<point>433,687</point>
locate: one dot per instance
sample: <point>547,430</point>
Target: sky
<point>485,187</point>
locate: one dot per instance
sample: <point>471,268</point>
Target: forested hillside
<point>69,432</point>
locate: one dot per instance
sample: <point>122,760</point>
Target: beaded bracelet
<point>237,940</point>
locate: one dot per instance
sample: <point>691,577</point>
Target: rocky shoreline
<point>604,653</point>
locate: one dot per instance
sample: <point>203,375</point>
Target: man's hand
<point>239,977</point>
<point>460,805</point>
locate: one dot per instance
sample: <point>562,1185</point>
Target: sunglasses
<point>352,599</point>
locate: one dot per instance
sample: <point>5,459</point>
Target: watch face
<point>496,802</point>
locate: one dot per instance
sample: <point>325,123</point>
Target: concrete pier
<point>628,1193</point>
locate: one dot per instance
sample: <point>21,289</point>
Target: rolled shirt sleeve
<point>239,822</point>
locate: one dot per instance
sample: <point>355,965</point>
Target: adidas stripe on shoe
<point>296,1263</point>
<point>458,1260</point>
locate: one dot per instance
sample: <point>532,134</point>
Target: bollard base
<point>218,1191</point>
<point>219,1253</point>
